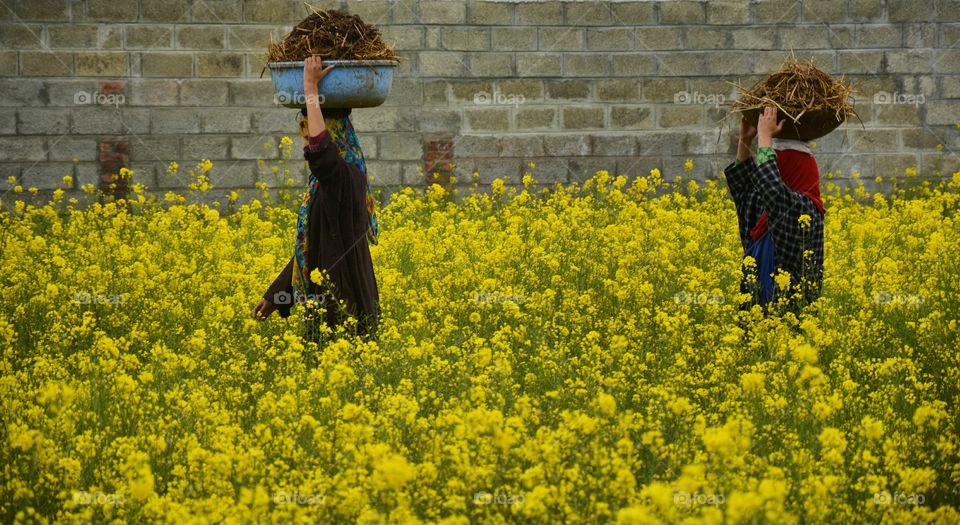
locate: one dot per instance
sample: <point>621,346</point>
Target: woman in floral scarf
<point>331,272</point>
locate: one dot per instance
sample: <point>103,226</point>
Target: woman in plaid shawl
<point>780,212</point>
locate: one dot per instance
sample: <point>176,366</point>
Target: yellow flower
<point>872,428</point>
<point>804,221</point>
<point>834,444</point>
<point>688,165</point>
<point>752,382</point>
<point>805,353</point>
<point>607,404</point>
<point>394,471</point>
<point>640,184</point>
<point>782,279</point>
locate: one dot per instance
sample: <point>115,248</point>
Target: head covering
<point>800,173</point>
<point>341,132</point>
<point>798,145</point>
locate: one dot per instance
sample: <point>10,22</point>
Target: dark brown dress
<point>338,229</point>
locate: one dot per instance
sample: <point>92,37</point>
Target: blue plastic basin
<point>350,84</point>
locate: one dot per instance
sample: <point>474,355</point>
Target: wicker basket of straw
<point>810,102</point>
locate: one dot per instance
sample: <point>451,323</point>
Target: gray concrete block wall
<point>571,86</point>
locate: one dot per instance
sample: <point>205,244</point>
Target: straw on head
<point>798,88</point>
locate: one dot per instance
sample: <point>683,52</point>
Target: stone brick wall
<point>485,86</point>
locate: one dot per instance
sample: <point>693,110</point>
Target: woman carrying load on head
<point>331,271</point>
<point>780,215</point>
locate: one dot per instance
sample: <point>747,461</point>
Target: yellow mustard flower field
<point>546,355</point>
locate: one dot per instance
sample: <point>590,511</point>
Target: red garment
<point>800,173</point>
<point>314,144</point>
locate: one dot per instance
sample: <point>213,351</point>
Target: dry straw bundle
<point>333,35</point>
<point>814,102</point>
<point>797,88</point>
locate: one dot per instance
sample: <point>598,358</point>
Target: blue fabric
<point>762,251</point>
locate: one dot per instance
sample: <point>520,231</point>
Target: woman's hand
<point>768,127</point>
<point>263,309</point>
<point>747,133</point>
<point>313,73</point>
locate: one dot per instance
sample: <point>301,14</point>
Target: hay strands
<point>798,90</point>
<point>332,35</point>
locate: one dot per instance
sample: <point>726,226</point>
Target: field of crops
<point>571,355</point>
